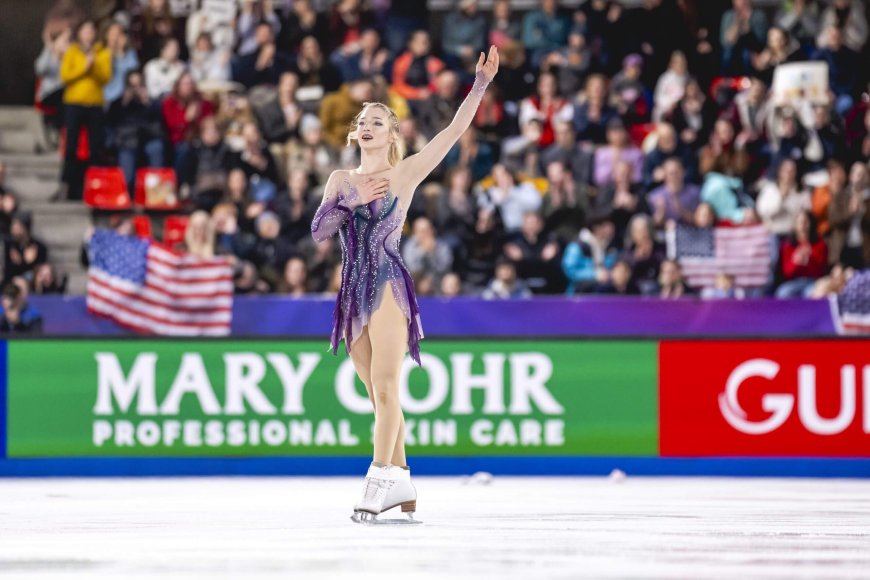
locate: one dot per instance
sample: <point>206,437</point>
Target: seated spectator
<point>620,281</point>
<point>246,280</point>
<point>535,253</point>
<point>544,31</point>
<point>463,35</point>
<point>424,252</point>
<point>521,153</point>
<point>570,63</point>
<point>674,199</point>
<point>271,251</point>
<point>137,128</point>
<point>788,138</point>
<point>820,201</point>
<point>454,213</point>
<point>510,198</point>
<point>310,151</point>
<point>183,111</point>
<point>667,146</point>
<point>833,284</point>
<point>22,252</point>
<point>362,59</point>
<point>643,254</point>
<point>587,260</point>
<point>252,16</point>
<point>826,140</point>
<point>199,238</point>
<point>437,110</point>
<point>470,152</point>
<point>151,27</point>
<point>209,63</point>
<point>780,201</point>
<point>277,110</point>
<point>780,49</point>
<point>47,281</point>
<point>547,107</point>
<point>503,28</point>
<point>725,196</point>
<point>258,164</point>
<point>47,68</point>
<point>859,144</point>
<point>505,285</point>
<point>848,16</point>
<point>205,21</point>
<point>316,75</point>
<point>294,281</point>
<point>233,113</point>
<point>264,64</point>
<point>800,20</point>
<point>843,66</point>
<point>723,153</point>
<point>8,204</point>
<point>751,111</point>
<point>629,93</point>
<point>414,70</point>
<point>321,261</point>
<point>849,216</point>
<point>162,73</point>
<point>671,86</point>
<point>671,283</point>
<point>619,201</point>
<point>724,288</point>
<point>124,61</point>
<point>804,258</point>
<point>205,174</point>
<point>17,316</point>
<point>451,285</point>
<point>491,120</point>
<point>229,239</point>
<point>346,21</point>
<point>693,116</point>
<point>294,207</point>
<point>618,148</point>
<point>562,208</point>
<point>516,78</point>
<point>575,157</point>
<point>340,108</point>
<point>743,30</point>
<point>476,260</point>
<point>593,114</point>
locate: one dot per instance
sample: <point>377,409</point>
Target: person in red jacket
<point>803,258</point>
<point>415,69</point>
<point>183,111</point>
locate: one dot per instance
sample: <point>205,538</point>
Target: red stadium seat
<point>105,188</point>
<point>638,133</point>
<point>174,228</point>
<point>83,150</point>
<point>734,84</point>
<point>157,188</point>
<point>142,225</point>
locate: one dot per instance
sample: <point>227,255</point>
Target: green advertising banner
<point>292,398</point>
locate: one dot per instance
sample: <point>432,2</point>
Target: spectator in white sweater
<point>779,202</point>
<point>162,72</point>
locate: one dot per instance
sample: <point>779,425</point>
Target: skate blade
<point>369,519</point>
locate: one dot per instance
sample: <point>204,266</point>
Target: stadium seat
<point>157,188</point>
<point>142,225</point>
<point>639,133</point>
<point>174,227</point>
<point>83,150</point>
<point>105,188</point>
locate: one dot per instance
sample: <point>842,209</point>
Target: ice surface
<point>529,528</point>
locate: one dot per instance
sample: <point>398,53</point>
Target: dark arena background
<point>643,277</point>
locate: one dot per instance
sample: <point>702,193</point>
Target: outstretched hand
<point>489,66</point>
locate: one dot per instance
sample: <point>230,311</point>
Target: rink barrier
<point>786,407</point>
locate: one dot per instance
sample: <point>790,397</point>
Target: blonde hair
<point>397,148</point>
<point>200,248</point>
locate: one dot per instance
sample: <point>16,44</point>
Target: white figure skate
<point>386,488</point>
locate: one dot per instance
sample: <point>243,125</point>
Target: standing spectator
<point>254,13</point>
<point>629,93</point>
<point>800,19</point>
<point>592,115</point>
<point>18,317</point>
<point>505,285</point>
<point>183,111</point>
<point>124,61</point>
<point>849,213</point>
<point>547,107</point>
<point>674,199</point>
<point>849,17</point>
<point>424,252</point>
<point>843,66</point>
<point>544,31</point>
<point>22,252</point>
<point>85,70</point>
<point>137,128</point>
<point>723,153</point>
<point>464,33</point>
<point>209,63</point>
<point>781,200</point>
<point>415,69</point>
<point>587,261</point>
<point>512,199</point>
<point>780,49</point>
<point>163,72</point>
<point>693,116</point>
<point>503,28</point>
<point>618,148</point>
<point>671,86</point>
<point>804,258</point>
<point>47,69</point>
<point>820,201</point>
<point>743,30</point>
<point>671,282</point>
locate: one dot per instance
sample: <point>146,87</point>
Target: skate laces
<point>376,488</point>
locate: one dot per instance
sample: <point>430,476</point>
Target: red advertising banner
<point>774,398</point>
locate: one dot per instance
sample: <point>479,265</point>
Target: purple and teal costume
<point>370,263</point>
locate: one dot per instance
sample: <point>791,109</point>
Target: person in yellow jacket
<point>85,69</point>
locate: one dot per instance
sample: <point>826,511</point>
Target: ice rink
<point>527,528</point>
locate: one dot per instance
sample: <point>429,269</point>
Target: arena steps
<point>21,131</point>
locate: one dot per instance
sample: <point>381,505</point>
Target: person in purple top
<point>376,310</point>
<point>674,199</point>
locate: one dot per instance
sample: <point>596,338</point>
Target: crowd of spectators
<point>605,128</point>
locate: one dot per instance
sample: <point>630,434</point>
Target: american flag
<point>854,303</point>
<point>148,289</point>
<point>705,252</point>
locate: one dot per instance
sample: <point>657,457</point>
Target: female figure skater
<point>376,310</point>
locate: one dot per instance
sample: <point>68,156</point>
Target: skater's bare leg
<point>361,356</point>
<point>399,450</point>
<point>388,331</point>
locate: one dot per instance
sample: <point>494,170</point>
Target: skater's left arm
<point>416,167</point>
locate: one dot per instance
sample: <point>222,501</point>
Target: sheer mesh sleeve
<point>334,210</point>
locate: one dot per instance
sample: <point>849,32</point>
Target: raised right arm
<point>335,208</point>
